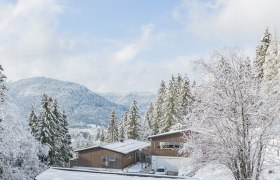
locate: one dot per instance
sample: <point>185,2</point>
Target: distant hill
<point>143,99</point>
<point>82,106</point>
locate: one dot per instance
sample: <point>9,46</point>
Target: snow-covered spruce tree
<point>170,110</point>
<point>185,97</point>
<point>123,127</point>
<point>158,109</point>
<point>3,86</point>
<point>112,130</point>
<point>236,121</point>
<point>48,129</point>
<point>146,123</point>
<point>62,148</point>
<point>271,67</point>
<point>66,149</point>
<point>18,148</point>
<point>133,124</point>
<point>261,53</point>
<point>102,136</point>
<point>33,123</point>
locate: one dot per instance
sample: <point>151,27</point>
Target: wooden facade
<point>97,157</point>
<point>167,144</point>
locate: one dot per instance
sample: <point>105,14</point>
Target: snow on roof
<point>127,146</point>
<point>82,149</point>
<point>168,133</point>
<point>124,147</point>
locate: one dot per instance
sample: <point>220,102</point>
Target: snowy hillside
<point>80,104</point>
<point>143,99</point>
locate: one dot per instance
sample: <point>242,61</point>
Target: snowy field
<point>57,174</point>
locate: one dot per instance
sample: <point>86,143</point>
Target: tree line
<point>167,113</point>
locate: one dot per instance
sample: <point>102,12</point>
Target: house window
<point>112,158</point>
<point>104,159</point>
<point>170,145</point>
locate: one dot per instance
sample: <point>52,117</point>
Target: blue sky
<point>125,45</point>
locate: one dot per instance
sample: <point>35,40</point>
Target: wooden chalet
<point>117,155</point>
<point>164,150</point>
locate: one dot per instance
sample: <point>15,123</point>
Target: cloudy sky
<point>124,45</point>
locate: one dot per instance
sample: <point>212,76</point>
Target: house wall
<point>94,158</point>
<point>157,151</point>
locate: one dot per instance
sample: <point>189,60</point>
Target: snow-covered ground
<point>212,172</point>
<point>138,167</point>
<point>271,174</point>
<point>57,174</point>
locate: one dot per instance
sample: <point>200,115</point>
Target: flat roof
<point>124,147</point>
<point>168,133</point>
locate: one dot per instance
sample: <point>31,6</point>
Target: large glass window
<point>170,145</point>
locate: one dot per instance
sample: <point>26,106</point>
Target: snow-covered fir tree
<point>112,130</point>
<point>170,117</point>
<point>3,86</point>
<point>123,127</point>
<point>185,97</point>
<point>133,122</point>
<point>66,149</point>
<point>33,123</point>
<point>158,109</point>
<point>261,54</point>
<point>63,150</point>
<point>146,123</point>
<point>102,135</point>
<point>47,128</point>
<point>271,67</point>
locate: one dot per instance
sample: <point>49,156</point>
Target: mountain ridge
<point>81,105</point>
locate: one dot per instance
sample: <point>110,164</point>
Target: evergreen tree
<point>98,135</point>
<point>112,131</point>
<point>3,86</point>
<point>158,110</point>
<point>146,125</point>
<point>47,128</point>
<point>271,67</point>
<point>133,126</point>
<point>185,96</point>
<point>123,127</point>
<point>170,112</point>
<point>62,138</point>
<point>58,137</point>
<point>261,54</point>
<point>33,123</point>
<point>66,149</point>
<point>102,136</point>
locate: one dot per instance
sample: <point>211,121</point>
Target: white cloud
<point>228,19</point>
<point>32,45</point>
<point>130,50</point>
